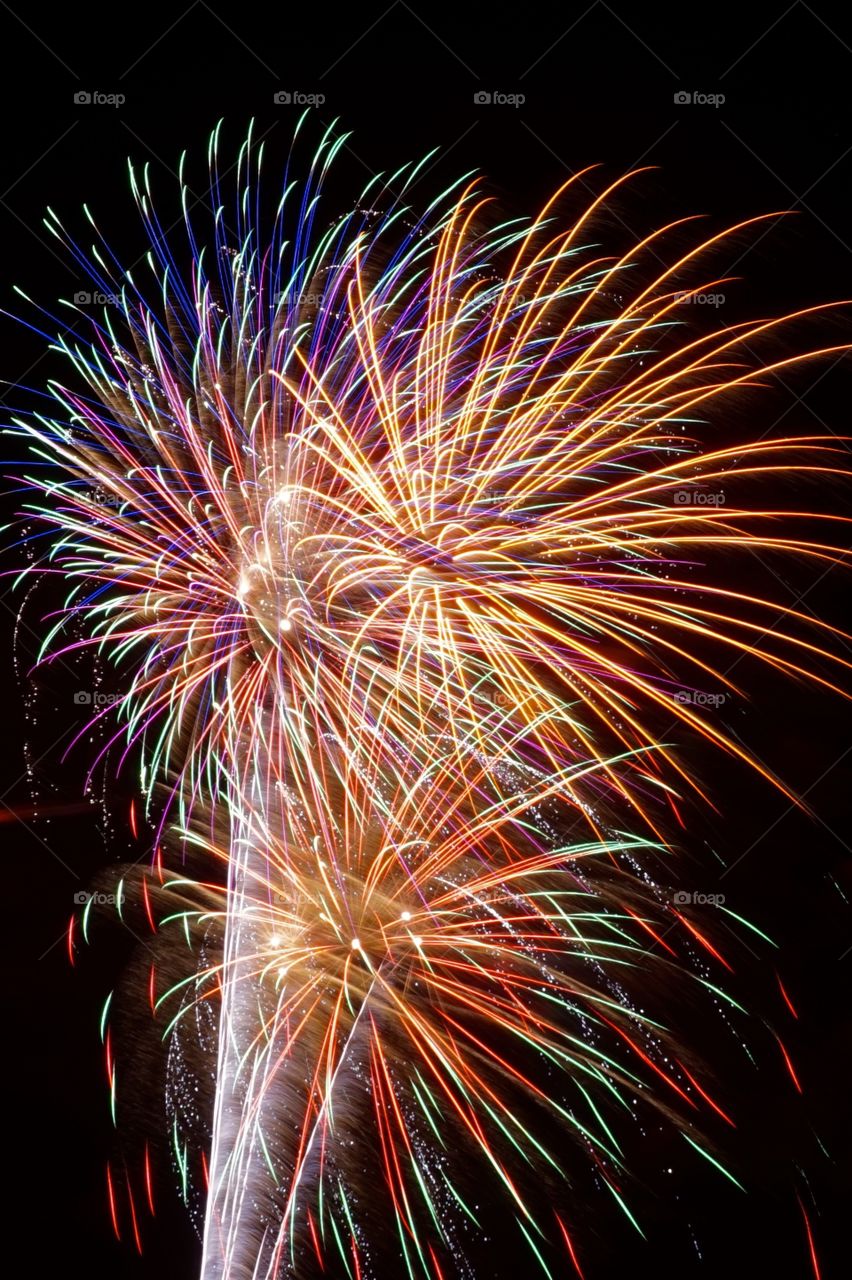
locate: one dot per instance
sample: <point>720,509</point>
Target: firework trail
<point>397,527</point>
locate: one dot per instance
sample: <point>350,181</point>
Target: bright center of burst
<point>328,935</point>
<point>259,593</point>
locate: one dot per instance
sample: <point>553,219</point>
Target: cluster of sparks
<point>398,531</point>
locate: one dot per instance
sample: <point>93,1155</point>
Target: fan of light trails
<point>399,529</point>
<point>418,473</point>
<point>400,1016</point>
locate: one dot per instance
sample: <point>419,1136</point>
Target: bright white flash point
<point>406,915</point>
<point>356,945</point>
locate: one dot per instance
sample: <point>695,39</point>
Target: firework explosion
<point>399,531</point>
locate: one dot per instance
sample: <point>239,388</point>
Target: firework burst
<point>403,534</point>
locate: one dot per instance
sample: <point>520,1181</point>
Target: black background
<point>600,85</point>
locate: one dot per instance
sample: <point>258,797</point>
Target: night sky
<point>600,85</point>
